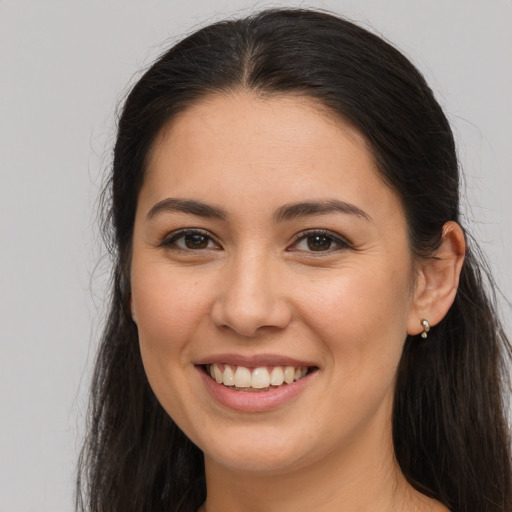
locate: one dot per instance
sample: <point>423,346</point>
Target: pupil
<point>196,241</point>
<point>319,242</point>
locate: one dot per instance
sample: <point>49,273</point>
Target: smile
<point>263,378</point>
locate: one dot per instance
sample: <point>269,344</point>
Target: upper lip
<point>254,361</point>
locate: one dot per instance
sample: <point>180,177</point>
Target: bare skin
<point>239,250</point>
<point>375,488</point>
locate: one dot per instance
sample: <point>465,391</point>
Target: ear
<point>438,280</point>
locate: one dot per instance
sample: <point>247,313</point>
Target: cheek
<point>169,307</point>
<point>360,318</point>
<point>359,321</point>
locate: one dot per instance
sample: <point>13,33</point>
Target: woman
<point>297,321</point>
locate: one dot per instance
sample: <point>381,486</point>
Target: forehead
<point>275,147</point>
<point>250,117</point>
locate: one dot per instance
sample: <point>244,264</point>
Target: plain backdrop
<point>64,67</point>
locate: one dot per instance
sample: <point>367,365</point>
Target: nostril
<point>248,312</point>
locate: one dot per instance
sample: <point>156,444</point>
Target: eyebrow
<point>187,206</point>
<point>306,209</point>
<point>284,213</point>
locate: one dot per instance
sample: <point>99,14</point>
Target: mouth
<point>257,383</point>
<point>256,380</point>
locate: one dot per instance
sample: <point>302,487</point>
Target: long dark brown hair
<point>449,427</point>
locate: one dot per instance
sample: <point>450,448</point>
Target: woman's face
<point>268,253</point>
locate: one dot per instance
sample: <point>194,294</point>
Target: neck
<point>365,480</point>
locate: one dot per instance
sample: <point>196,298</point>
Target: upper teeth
<point>258,378</point>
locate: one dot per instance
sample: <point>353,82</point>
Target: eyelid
<point>170,238</point>
<point>342,243</point>
<point>339,240</point>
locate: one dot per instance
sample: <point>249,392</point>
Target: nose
<point>251,298</point>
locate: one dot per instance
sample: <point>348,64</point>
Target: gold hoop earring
<point>426,328</point>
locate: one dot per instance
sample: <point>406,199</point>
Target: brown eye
<point>190,240</point>
<point>196,241</point>
<point>319,242</point>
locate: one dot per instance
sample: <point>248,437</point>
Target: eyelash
<point>170,242</point>
<point>332,238</point>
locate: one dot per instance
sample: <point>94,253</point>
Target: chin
<point>255,461</point>
<point>258,452</point>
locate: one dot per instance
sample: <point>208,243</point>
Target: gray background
<point>64,66</point>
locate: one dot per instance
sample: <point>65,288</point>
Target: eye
<point>318,241</point>
<point>190,239</point>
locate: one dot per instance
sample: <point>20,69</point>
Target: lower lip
<point>256,401</point>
